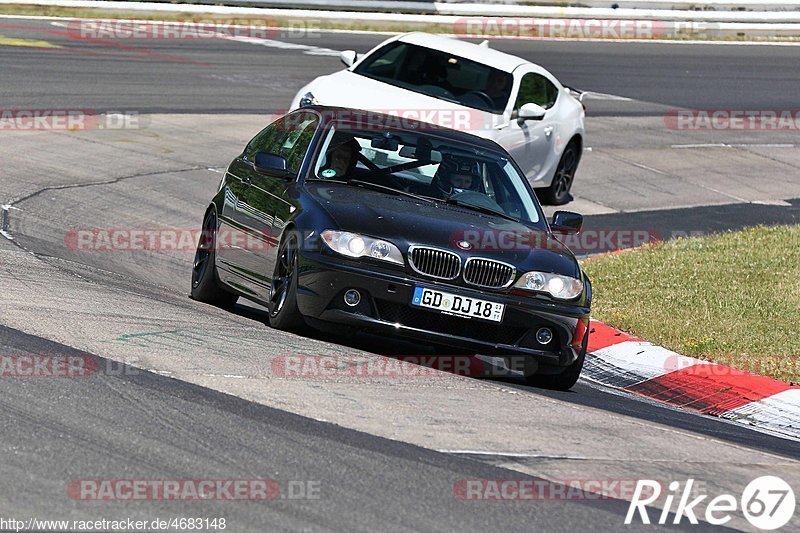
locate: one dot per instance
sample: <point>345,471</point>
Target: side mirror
<point>272,165</point>
<point>348,57</point>
<point>566,222</point>
<point>531,112</point>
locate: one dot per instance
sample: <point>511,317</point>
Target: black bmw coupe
<point>357,219</point>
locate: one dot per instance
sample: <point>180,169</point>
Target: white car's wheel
<point>558,191</point>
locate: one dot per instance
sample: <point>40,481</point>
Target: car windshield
<point>439,74</point>
<point>427,165</point>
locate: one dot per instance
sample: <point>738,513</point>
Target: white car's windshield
<point>427,165</point>
<point>439,74</point>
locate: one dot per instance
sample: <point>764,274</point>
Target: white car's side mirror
<point>531,112</point>
<point>348,57</point>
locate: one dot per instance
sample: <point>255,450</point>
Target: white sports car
<point>470,87</point>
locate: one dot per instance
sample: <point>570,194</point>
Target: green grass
<point>732,298</point>
<point>29,43</point>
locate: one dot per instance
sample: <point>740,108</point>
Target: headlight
<point>355,245</point>
<point>561,287</point>
<point>308,99</point>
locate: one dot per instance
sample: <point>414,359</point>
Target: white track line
<point>271,43</point>
<point>511,454</point>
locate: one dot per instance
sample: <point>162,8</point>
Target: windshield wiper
<point>384,188</point>
<point>482,209</point>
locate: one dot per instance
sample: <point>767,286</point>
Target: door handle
<point>248,181</point>
<point>548,130</point>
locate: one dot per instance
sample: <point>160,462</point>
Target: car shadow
<point>446,359</point>
<point>583,393</point>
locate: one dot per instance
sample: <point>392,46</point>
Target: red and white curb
<point>620,361</point>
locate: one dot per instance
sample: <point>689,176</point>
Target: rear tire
<point>206,286</point>
<point>558,191</point>
<point>283,311</point>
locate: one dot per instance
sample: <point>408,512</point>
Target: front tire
<point>283,311</point>
<point>566,379</point>
<point>206,286</point>
<point>558,191</point>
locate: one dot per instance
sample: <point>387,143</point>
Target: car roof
<point>359,117</point>
<point>467,50</point>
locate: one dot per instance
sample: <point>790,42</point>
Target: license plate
<point>452,304</point>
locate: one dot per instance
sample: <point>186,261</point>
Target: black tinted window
<point>439,74</point>
<point>536,89</point>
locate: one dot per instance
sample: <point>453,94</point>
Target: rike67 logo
<point>767,502</point>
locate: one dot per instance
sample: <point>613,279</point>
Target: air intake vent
<point>434,262</point>
<point>488,273</point>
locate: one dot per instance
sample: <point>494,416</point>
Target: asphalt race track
<point>207,76</point>
<point>187,391</point>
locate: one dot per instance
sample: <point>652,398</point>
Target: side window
<point>385,62</point>
<point>263,140</point>
<point>536,89</point>
<point>295,144</point>
<point>288,137</point>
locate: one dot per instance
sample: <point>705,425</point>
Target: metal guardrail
<point>695,24</point>
<point>495,7</point>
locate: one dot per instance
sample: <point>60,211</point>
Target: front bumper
<point>385,307</point>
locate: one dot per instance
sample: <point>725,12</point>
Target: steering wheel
<point>435,91</point>
<point>482,95</point>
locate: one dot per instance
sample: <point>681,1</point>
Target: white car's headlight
<point>355,245</point>
<point>558,286</point>
<point>308,99</point>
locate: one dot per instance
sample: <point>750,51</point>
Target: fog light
<point>544,335</point>
<point>352,297</point>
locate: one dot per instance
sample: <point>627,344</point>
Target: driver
<point>457,176</point>
<point>461,182</point>
<point>497,88</point>
<point>341,156</point>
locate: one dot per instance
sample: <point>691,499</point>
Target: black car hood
<point>406,221</point>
